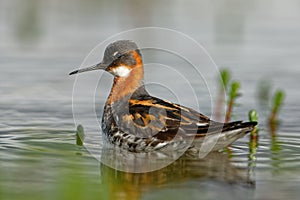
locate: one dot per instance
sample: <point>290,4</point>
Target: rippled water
<point>41,41</point>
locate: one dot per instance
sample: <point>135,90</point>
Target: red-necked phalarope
<point>127,121</point>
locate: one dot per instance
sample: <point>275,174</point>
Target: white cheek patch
<point>121,71</point>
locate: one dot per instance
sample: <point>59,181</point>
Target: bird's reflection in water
<point>215,167</point>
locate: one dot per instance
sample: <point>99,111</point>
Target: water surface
<point>41,41</point>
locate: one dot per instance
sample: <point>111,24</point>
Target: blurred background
<point>41,41</point>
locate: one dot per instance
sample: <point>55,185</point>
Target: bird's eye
<point>117,54</point>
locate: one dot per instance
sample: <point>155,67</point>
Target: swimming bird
<point>138,122</point>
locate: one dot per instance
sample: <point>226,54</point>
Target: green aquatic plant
<point>253,143</point>
<point>224,80</point>
<point>79,135</point>
<point>229,88</point>
<point>225,84</point>
<point>277,103</point>
<point>253,117</point>
<point>233,94</point>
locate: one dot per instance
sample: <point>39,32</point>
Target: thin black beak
<point>91,68</point>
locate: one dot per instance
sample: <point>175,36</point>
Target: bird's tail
<point>227,135</point>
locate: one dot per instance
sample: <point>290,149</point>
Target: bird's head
<point>120,58</point>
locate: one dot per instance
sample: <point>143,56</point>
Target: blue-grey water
<point>42,41</point>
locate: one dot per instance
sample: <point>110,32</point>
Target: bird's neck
<point>126,86</point>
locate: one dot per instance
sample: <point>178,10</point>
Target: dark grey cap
<point>118,48</point>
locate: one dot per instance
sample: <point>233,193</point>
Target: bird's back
<point>158,123</point>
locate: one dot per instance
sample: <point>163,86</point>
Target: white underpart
<point>121,71</point>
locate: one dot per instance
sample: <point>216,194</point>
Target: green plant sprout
<point>233,94</point>
<point>79,135</point>
<point>225,85</point>
<point>278,100</point>
<point>253,117</point>
<point>225,79</point>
